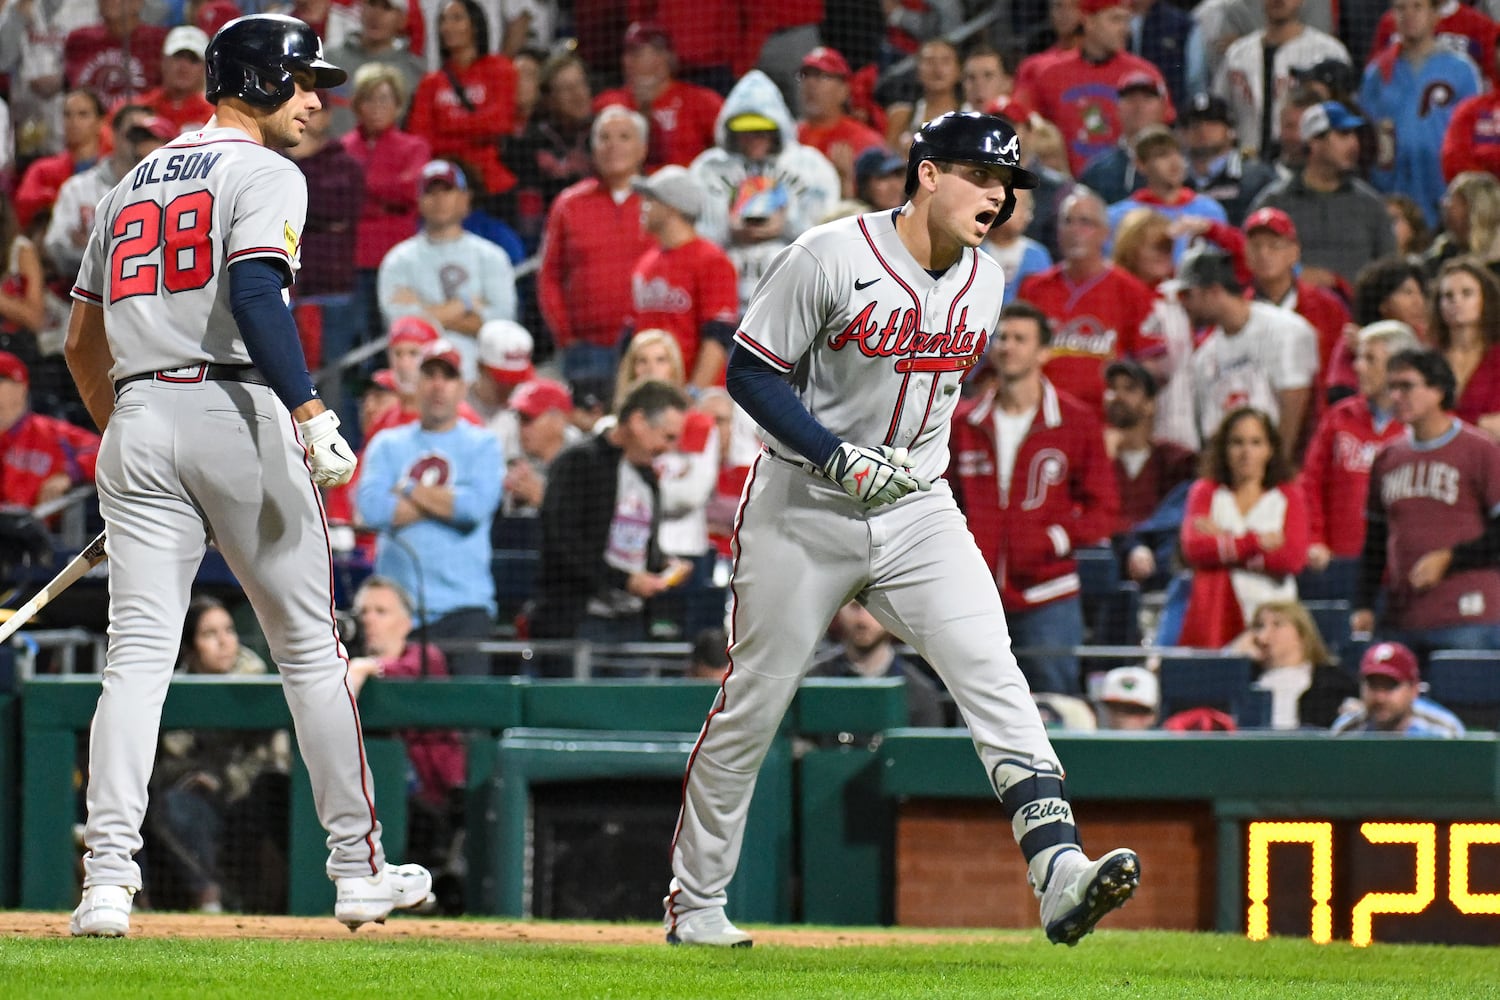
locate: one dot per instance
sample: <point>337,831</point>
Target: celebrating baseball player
<point>187,357</point>
<point>850,357</point>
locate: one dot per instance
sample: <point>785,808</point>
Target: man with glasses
<point>1433,520</point>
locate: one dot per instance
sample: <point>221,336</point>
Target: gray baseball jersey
<point>192,454</point>
<point>165,236</point>
<point>876,346</point>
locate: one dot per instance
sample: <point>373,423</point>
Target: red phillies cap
<point>647,33</point>
<point>1273,219</point>
<point>442,351</point>
<point>154,127</point>
<point>532,399</point>
<point>1390,659</point>
<point>413,330</point>
<point>385,379</point>
<point>1087,7</point>
<point>826,60</point>
<point>13,368</point>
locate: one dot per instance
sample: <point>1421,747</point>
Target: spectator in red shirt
<point>1078,90</point>
<point>466,108</point>
<point>1472,139</point>
<point>83,134</point>
<point>685,284</point>
<point>41,457</point>
<point>114,58</point>
<point>681,114</point>
<point>392,162</point>
<point>1098,310</point>
<point>180,98</point>
<point>1030,472</point>
<point>593,239</point>
<point>1336,469</point>
<point>826,125</point>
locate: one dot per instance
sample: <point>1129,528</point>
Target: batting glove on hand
<point>874,476</point>
<point>332,459</point>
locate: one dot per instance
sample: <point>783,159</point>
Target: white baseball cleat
<point>1080,893</point>
<point>363,899</point>
<point>103,912</point>
<point>708,926</point>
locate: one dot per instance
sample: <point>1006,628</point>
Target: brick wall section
<point>957,864</point>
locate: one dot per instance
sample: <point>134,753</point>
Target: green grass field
<point>1108,964</point>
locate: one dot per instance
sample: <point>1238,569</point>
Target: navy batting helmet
<point>971,137</point>
<point>253,58</point>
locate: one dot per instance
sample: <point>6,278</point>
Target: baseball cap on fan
<point>647,33</point>
<point>1087,7</point>
<point>442,172</point>
<point>1273,219</point>
<point>674,187</point>
<point>827,61</point>
<point>185,38</point>
<point>1390,659</point>
<point>534,398</point>
<point>154,127</point>
<point>505,351</point>
<point>413,330</point>
<point>1330,116</point>
<point>1140,80</point>
<point>14,369</point>
<point>877,161</point>
<point>1135,686</point>
<point>442,352</point>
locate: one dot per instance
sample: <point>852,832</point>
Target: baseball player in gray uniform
<point>186,355</point>
<point>850,357</point>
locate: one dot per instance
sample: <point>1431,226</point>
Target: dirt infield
<point>205,926</point>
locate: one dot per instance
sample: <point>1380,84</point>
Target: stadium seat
<point>1332,619</point>
<point>1211,678</point>
<point>1338,582</point>
<point>1467,683</point>
<point>1098,571</point>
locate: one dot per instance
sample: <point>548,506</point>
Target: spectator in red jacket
<point>392,161</point>
<point>825,123</point>
<point>1336,469</point>
<point>180,98</point>
<point>116,58</point>
<point>41,457</point>
<point>593,239</point>
<point>685,284</point>
<point>1245,531</point>
<point>466,108</point>
<point>1472,140</point>
<point>681,114</point>
<point>1030,471</point>
<point>83,134</point>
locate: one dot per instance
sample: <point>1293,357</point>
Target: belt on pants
<point>193,374</point>
<point>796,463</point>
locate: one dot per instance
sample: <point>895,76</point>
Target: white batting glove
<point>332,459</point>
<point>870,475</point>
<point>901,458</point>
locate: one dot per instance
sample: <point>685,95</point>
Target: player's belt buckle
<point>186,375</point>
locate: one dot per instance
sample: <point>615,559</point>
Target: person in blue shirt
<point>431,489</point>
<point>1391,701</point>
<point>1160,160</point>
<point>1409,92</point>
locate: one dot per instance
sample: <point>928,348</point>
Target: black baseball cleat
<point>1080,893</point>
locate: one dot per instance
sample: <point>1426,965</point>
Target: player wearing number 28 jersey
<point>850,358</point>
<point>186,356</point>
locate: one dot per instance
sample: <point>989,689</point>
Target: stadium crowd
<point>1257,277</point>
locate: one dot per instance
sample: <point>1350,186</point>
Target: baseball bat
<point>80,564</point>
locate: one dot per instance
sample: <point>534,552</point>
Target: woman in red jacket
<point>466,108</point>
<point>1245,531</point>
<point>392,162</point>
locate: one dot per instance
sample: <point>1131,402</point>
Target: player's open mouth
<point>986,218</point>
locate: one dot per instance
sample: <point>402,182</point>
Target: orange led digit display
<point>1460,837</point>
<point>1424,837</point>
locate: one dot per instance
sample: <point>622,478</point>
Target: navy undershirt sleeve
<point>268,330</point>
<point>767,396</point>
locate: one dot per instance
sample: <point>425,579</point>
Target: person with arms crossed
<point>193,391</point>
<point>839,506</point>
